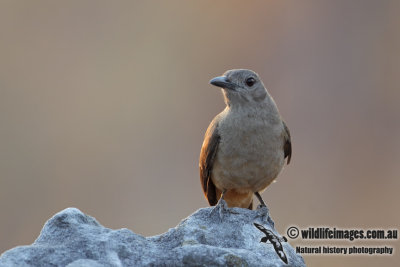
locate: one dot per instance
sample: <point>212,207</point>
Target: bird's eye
<point>250,81</point>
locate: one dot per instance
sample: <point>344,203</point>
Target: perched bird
<point>274,240</point>
<point>245,146</point>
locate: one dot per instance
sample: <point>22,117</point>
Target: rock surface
<point>71,238</point>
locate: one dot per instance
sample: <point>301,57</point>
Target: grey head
<point>241,87</point>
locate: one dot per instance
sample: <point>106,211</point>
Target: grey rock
<point>71,238</point>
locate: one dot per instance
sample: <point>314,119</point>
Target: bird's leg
<point>221,206</point>
<point>262,208</point>
<point>260,199</point>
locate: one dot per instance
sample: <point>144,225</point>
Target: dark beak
<point>223,82</point>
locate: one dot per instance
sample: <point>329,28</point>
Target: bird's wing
<point>261,228</point>
<point>207,156</point>
<point>287,147</point>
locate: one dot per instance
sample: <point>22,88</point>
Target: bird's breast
<point>250,154</point>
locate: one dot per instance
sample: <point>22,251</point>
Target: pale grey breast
<point>251,156</point>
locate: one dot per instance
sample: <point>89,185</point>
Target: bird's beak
<point>223,82</point>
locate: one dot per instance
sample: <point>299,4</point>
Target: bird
<point>274,240</point>
<point>246,145</point>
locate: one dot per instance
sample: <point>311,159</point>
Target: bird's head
<point>241,87</point>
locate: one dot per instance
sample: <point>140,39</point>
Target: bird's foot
<point>221,208</point>
<point>263,212</point>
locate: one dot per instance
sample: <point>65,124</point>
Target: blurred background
<point>104,105</point>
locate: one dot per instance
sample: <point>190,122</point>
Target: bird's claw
<point>221,208</point>
<point>260,206</point>
<point>262,211</point>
